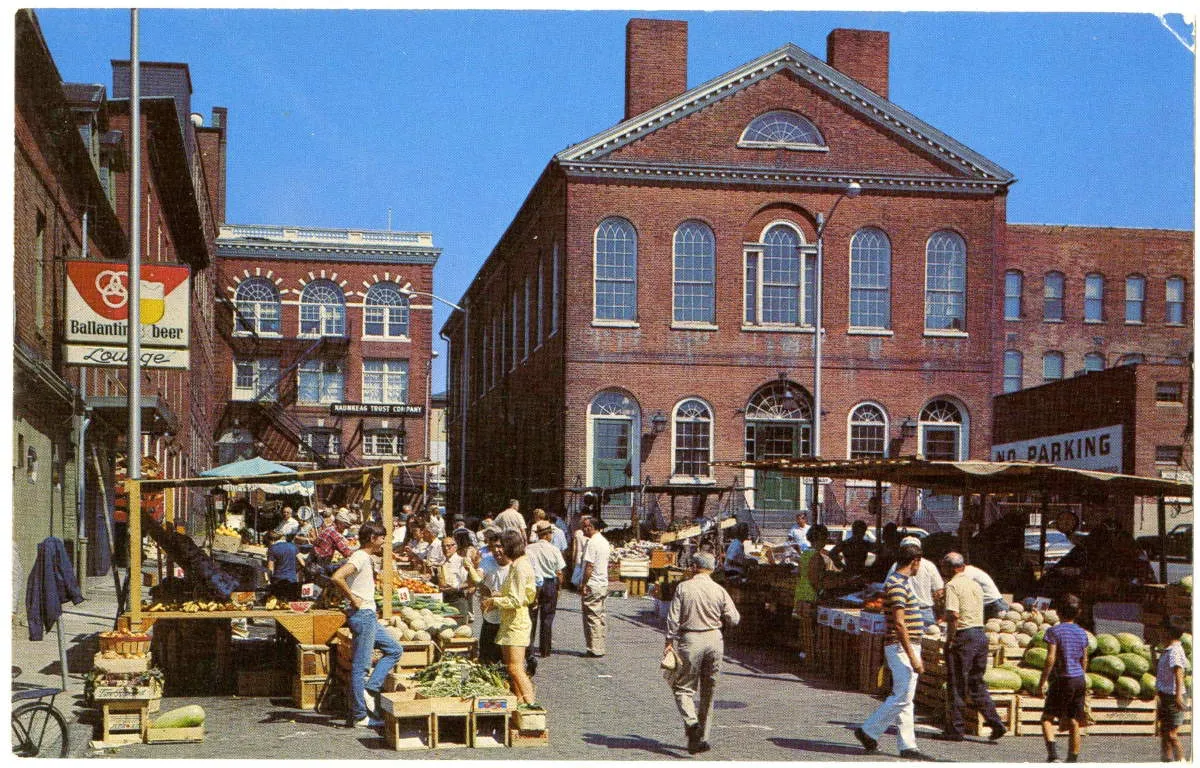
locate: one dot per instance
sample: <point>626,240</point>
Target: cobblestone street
<point>612,708</point>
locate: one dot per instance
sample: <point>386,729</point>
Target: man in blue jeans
<point>356,579</point>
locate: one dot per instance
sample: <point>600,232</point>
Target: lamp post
<point>428,397</point>
<point>462,386</point>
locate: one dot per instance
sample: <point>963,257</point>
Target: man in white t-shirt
<point>510,519</point>
<point>798,534</point>
<point>593,590</point>
<point>926,583</point>
<point>356,579</point>
<point>993,603</point>
<point>494,575</point>
<point>288,525</point>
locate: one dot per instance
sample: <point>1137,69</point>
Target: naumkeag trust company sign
<point>1097,449</point>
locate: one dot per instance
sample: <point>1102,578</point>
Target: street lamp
<point>462,476</point>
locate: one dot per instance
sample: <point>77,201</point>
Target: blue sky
<point>448,117</point>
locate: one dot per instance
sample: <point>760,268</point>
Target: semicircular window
<point>782,129</point>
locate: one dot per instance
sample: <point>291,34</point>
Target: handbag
<point>577,575</point>
<point>670,660</point>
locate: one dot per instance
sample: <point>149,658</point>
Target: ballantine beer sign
<point>98,314</point>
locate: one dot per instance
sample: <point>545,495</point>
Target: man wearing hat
<point>698,612</point>
<point>548,566</point>
<point>332,539</point>
<point>926,583</point>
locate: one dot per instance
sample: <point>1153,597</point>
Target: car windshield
<point>1053,539</point>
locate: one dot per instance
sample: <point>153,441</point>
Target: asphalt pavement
<point>612,708</point>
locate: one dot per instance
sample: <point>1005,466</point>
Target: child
<point>1171,708</point>
<point>1066,663</point>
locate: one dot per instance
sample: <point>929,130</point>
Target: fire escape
<point>278,434</point>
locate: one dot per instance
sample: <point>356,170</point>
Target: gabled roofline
<point>809,68</point>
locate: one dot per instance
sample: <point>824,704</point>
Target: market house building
<point>71,203</point>
<point>1135,419</point>
<point>652,305</point>
<point>329,341</point>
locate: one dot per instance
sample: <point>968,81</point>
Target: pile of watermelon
<point>1118,665</point>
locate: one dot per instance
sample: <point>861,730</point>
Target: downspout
<point>81,427</point>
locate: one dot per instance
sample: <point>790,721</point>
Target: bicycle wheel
<point>39,730</point>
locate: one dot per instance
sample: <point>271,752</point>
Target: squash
<point>190,716</point>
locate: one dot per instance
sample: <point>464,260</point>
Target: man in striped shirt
<point>902,649</point>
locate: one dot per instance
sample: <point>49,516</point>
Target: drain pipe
<point>83,421</point>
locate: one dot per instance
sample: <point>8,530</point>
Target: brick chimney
<point>861,54</point>
<point>655,63</point>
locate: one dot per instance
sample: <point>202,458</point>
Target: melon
<point>1186,640</point>
<point>463,631</point>
<point>1144,651</point>
<point>1107,645</point>
<point>418,625</point>
<point>1038,640</point>
<point>1028,627</point>
<point>422,635</point>
<point>992,625</point>
<point>1092,643</point>
<point>1035,657</point>
<point>1149,685</point>
<point>409,634</point>
<point>1110,666</point>
<point>1129,641</point>
<point>396,633</point>
<point>1100,685</point>
<point>1050,616</point>
<point>190,716</point>
<point>1186,583</point>
<point>1023,640</point>
<point>1030,678</point>
<point>1015,607</point>
<point>446,634</point>
<point>1127,688</point>
<point>1013,616</point>
<point>1008,640</point>
<point>1008,626</point>
<point>1011,665</point>
<point>993,638</point>
<point>1000,679</point>
<point>1135,665</point>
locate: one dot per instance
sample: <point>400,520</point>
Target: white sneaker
<point>371,702</point>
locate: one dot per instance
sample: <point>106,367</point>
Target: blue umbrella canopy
<point>240,471</point>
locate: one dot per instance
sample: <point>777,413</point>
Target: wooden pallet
<point>405,732</point>
<point>1112,716</point>
<point>518,738</point>
<point>1007,706</point>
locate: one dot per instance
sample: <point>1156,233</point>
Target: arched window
<point>1052,366</point>
<point>615,423</point>
<point>1093,298</point>
<point>322,310</point>
<point>779,280</point>
<point>616,270</point>
<point>781,129</point>
<point>1014,283</point>
<point>385,312</point>
<point>1135,299</point>
<point>1176,290</point>
<point>1133,358</point>
<point>693,439</point>
<point>870,279</point>
<point>868,432</point>
<point>695,273</point>
<point>779,426</point>
<point>1052,296</point>
<point>1012,370</point>
<point>942,434</point>
<point>945,282</point>
<point>1093,361</point>
<point>257,304</point>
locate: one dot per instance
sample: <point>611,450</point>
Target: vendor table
<point>313,627</point>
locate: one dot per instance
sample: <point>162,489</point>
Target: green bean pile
<point>461,677</point>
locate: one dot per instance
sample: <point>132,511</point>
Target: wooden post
<point>133,489</point>
<point>1162,540</point>
<point>1042,540</point>
<point>878,504</point>
<point>389,565</point>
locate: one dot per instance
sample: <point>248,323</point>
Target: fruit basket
<point>125,644</point>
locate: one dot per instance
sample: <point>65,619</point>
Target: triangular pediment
<point>856,99</point>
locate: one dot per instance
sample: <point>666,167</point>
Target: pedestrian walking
<point>902,650</point>
<point>356,579</point>
<point>593,589</point>
<point>1169,683</point>
<point>966,650</point>
<point>510,519</point>
<point>927,583</point>
<point>548,565</point>
<point>516,594</point>
<point>1066,673</point>
<point>494,574</point>
<point>699,611</point>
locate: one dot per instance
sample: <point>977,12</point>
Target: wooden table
<point>312,627</point>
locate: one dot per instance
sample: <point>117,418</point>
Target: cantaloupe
<point>463,631</point>
<point>1008,640</point>
<point>1013,616</point>
<point>1050,616</point>
<point>446,634</point>
<point>1008,626</point>
<point>1110,666</point>
<point>1023,640</point>
<point>992,625</point>
<point>1028,627</point>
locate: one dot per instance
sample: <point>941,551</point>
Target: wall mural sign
<point>97,324</point>
<point>1098,449</point>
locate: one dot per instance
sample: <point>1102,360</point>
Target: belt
<point>713,629</point>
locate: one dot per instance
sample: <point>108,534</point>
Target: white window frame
<point>676,322</point>
<point>385,372</point>
<point>327,313</point>
<point>368,308</point>
<point>242,394</point>
<point>758,250</point>
<point>554,298</point>
<point>931,331</point>
<point>398,440</point>
<point>630,322</point>
<point>1098,299</point>
<point>675,420</point>
<point>851,423</point>
<point>324,378</point>
<point>1061,298</point>
<point>1180,301</point>
<point>801,146</point>
<point>1139,302</point>
<point>255,317</point>
<point>853,328</point>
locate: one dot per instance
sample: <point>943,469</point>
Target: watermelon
<point>1127,688</point>
<point>190,716</point>
<point>1092,643</point>
<point>1030,678</point>
<point>1038,640</point>
<point>1135,665</point>
<point>1149,685</point>
<point>1110,666</point>
<point>1034,657</point>
<point>999,679</point>
<point>1011,665</point>
<point>1129,641</point>
<point>1186,639</point>
<point>1144,651</point>
<point>1100,685</point>
<point>1107,645</point>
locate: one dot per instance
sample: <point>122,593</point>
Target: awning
<point>318,476</point>
<point>157,416</point>
<point>967,477</point>
<point>258,467</point>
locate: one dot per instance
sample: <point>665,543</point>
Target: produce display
<point>191,716</point>
<point>225,530</point>
<point>424,624</point>
<point>416,586</point>
<point>1020,627</point>
<point>113,685</point>
<point>1118,665</point>
<point>438,607</point>
<point>123,644</point>
<point>192,606</point>
<point>457,676</point>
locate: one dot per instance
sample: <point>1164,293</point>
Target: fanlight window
<point>322,310</point>
<point>942,412</point>
<point>385,311</point>
<point>257,307</point>
<point>614,404</point>
<point>782,129</point>
<point>779,401</point>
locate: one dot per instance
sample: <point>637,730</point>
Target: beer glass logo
<point>152,305</point>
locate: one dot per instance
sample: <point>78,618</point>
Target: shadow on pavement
<point>729,705</point>
<point>299,717</point>
<point>813,745</point>
<point>634,742</point>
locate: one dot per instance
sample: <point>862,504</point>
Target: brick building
<point>71,203</point>
<point>651,307</point>
<point>320,324</point>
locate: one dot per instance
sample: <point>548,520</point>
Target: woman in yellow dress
<point>517,593</point>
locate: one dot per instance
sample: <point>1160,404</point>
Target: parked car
<point>1179,543</point>
<point>1057,545</point>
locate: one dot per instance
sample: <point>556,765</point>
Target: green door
<point>612,463</point>
<point>777,441</point>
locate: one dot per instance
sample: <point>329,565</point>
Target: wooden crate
<point>226,543</point>
<point>634,587</point>
<point>307,692</point>
<point>662,558</point>
<point>449,705</point>
<point>530,720</point>
<point>518,738</point>
<point>417,653</point>
<point>123,721</point>
<point>452,730</point>
<point>174,735</point>
<point>460,646</point>
<point>1006,707</point>
<point>490,729</point>
<point>263,682</point>
<point>404,732</point>
<point>870,659</point>
<point>1112,716</point>
<point>399,704</point>
<point>121,666</point>
<point>312,660</point>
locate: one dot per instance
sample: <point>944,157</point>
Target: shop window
<point>384,442</point>
<point>323,442</point>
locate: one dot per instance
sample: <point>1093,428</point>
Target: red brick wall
<point>861,54</point>
<point>655,63</point>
